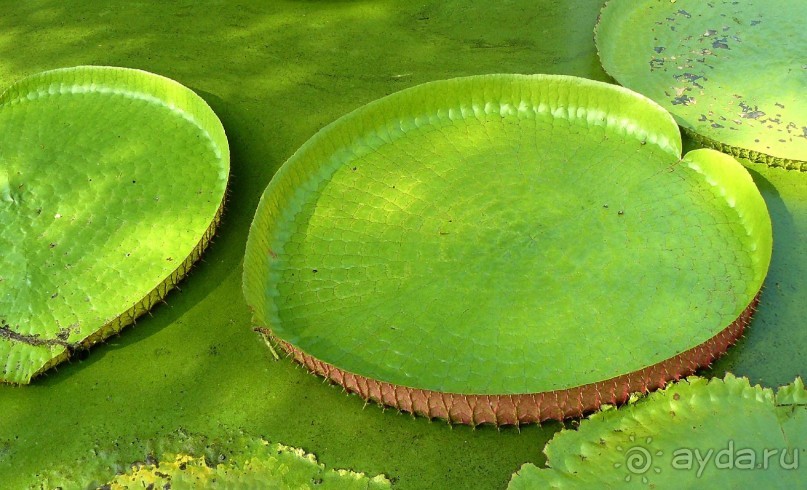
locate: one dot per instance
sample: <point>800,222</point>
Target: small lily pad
<point>506,249</point>
<point>733,74</point>
<point>111,184</point>
<point>698,433</point>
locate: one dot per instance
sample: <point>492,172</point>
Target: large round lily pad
<point>733,73</point>
<point>111,185</point>
<point>506,249</point>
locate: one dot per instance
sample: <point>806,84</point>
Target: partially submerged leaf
<point>506,249</point>
<point>111,185</point>
<point>696,433</point>
<point>733,74</point>
<point>189,462</point>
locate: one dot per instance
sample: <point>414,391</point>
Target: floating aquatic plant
<point>184,461</point>
<point>506,249</point>
<point>111,185</point>
<point>732,73</point>
<point>696,433</point>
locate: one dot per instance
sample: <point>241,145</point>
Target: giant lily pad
<point>733,73</point>
<point>722,433</point>
<point>111,185</point>
<point>506,249</point>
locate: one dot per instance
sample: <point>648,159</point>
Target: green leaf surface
<point>184,461</point>
<point>111,184</point>
<point>733,73</point>
<point>698,433</point>
<point>504,235</point>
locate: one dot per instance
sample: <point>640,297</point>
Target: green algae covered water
<point>275,73</point>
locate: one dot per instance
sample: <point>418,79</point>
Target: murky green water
<point>276,73</point>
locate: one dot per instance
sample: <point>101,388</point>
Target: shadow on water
<point>770,351</point>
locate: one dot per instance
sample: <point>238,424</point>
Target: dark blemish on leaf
<point>134,182</point>
<point>314,271</point>
<point>656,63</point>
<point>54,295</point>
<point>52,245</point>
<point>621,212</point>
<point>709,32</point>
<point>605,206</point>
<point>777,104</point>
<point>659,49</point>
<point>720,44</point>
<point>685,14</point>
<point>683,100</point>
<point>702,118</point>
<point>755,22</point>
<point>354,168</point>
<point>716,125</point>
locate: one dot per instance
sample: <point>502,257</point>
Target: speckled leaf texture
<point>186,461</point>
<point>698,433</point>
<point>506,249</point>
<point>111,184</point>
<point>733,73</point>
